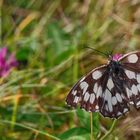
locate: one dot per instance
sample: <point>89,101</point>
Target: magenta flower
<point>7,62</point>
<point>116,57</point>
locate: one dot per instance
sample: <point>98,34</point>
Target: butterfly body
<point>114,67</point>
<point>111,88</point>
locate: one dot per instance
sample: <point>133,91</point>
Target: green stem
<point>91,126</point>
<point>30,128</point>
<point>110,130</point>
<point>75,68</point>
<point>13,120</point>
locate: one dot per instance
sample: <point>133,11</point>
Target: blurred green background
<point>49,38</point>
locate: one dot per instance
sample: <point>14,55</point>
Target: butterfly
<point>109,89</point>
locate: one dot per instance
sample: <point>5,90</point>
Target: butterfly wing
<point>113,103</point>
<point>122,89</point>
<point>98,91</point>
<point>132,61</point>
<point>87,89</point>
<point>131,65</point>
<point>106,92</point>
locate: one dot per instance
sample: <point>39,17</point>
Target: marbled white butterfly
<point>109,89</point>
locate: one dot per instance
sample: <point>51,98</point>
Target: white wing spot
<point>106,107</point>
<point>129,92</point>
<point>99,92</point>
<point>86,97</point>
<point>119,98</point>
<point>119,113</point>
<point>96,74</point>
<point>108,99</point>
<point>110,84</point>
<point>76,99</point>
<point>84,86</point>
<point>138,78</point>
<point>96,107</point>
<point>131,102</point>
<point>125,110</point>
<point>138,103</point>
<point>134,89</point>
<point>74,92</point>
<point>92,98</point>
<point>123,97</point>
<point>133,58</point>
<point>107,95</point>
<point>110,106</point>
<point>138,86</point>
<point>95,88</point>
<point>114,100</point>
<point>130,74</point>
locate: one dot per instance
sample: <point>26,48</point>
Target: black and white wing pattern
<point>109,89</point>
<point>87,90</point>
<point>99,92</point>
<point>131,65</point>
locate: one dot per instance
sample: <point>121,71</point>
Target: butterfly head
<point>116,57</point>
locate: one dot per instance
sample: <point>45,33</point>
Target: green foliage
<point>77,133</point>
<point>49,40</point>
<point>85,121</point>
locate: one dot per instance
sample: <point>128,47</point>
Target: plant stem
<point>110,130</point>
<point>91,126</point>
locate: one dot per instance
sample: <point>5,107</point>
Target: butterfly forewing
<point>87,90</point>
<point>131,61</point>
<point>114,102</point>
<point>131,64</point>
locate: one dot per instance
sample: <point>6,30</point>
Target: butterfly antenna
<point>105,54</point>
<point>109,53</point>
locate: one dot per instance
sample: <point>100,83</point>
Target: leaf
<point>96,124</point>
<point>77,133</point>
<point>23,53</point>
<point>84,118</point>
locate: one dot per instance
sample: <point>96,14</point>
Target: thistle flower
<point>7,62</point>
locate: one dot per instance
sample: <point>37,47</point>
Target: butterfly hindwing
<point>132,86</point>
<point>112,103</point>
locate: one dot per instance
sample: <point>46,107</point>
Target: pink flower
<point>116,57</point>
<point>7,61</point>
